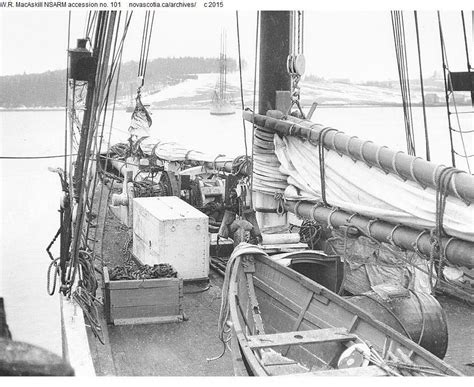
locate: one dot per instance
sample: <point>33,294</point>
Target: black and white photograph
<point>219,188</point>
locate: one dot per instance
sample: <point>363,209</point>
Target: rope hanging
<point>145,45</point>
<point>398,26</point>
<point>442,183</point>
<point>141,120</point>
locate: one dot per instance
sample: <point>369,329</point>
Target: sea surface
<point>29,193</point>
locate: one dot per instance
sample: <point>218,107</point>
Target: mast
<point>95,93</point>
<point>274,50</point>
<point>224,86</point>
<point>91,83</point>
<point>221,67</point>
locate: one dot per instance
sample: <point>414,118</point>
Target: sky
<point>351,44</point>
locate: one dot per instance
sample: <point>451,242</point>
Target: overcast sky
<point>352,44</point>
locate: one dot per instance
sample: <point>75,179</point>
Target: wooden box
<point>143,301</point>
<point>168,230</point>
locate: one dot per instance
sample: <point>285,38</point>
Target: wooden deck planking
<point>170,349</point>
<point>175,349</point>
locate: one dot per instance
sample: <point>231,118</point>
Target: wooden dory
<point>285,324</point>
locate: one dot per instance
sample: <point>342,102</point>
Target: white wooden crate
<point>168,230</point>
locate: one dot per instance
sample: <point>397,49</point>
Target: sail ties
<point>322,170</point>
<point>280,199</point>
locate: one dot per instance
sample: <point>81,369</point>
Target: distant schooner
<point>220,104</point>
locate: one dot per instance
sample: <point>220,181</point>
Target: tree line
<point>48,89</point>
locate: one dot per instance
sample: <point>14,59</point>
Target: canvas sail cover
<point>356,187</point>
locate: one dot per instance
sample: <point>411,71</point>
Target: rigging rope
<point>254,100</point>
<point>468,62</point>
<point>141,120</point>
<point>35,157</point>
<point>427,141</point>
<point>82,176</point>
<point>66,113</point>
<point>247,163</point>
<point>295,61</point>
<point>98,151</point>
<point>145,45</point>
<point>448,92</point>
<point>242,102</point>
<point>398,27</point>
<point>90,25</point>
<point>84,202</point>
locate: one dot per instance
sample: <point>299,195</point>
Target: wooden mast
<point>95,92</point>
<point>274,51</point>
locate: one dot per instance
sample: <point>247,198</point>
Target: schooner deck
<point>173,349</point>
<point>182,349</point>
<point>169,349</point>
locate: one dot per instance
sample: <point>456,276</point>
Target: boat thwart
<point>285,323</point>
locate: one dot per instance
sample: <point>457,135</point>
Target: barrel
<point>417,315</point>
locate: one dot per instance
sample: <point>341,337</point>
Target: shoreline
<point>184,107</point>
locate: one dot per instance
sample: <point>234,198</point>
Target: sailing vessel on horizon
<point>221,105</point>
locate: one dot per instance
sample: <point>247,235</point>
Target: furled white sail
<point>355,187</point>
<point>173,151</point>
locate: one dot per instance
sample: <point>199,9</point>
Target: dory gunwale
<point>254,367</point>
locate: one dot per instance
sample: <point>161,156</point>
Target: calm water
<point>29,193</point>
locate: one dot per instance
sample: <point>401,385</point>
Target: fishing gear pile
<point>132,271</point>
